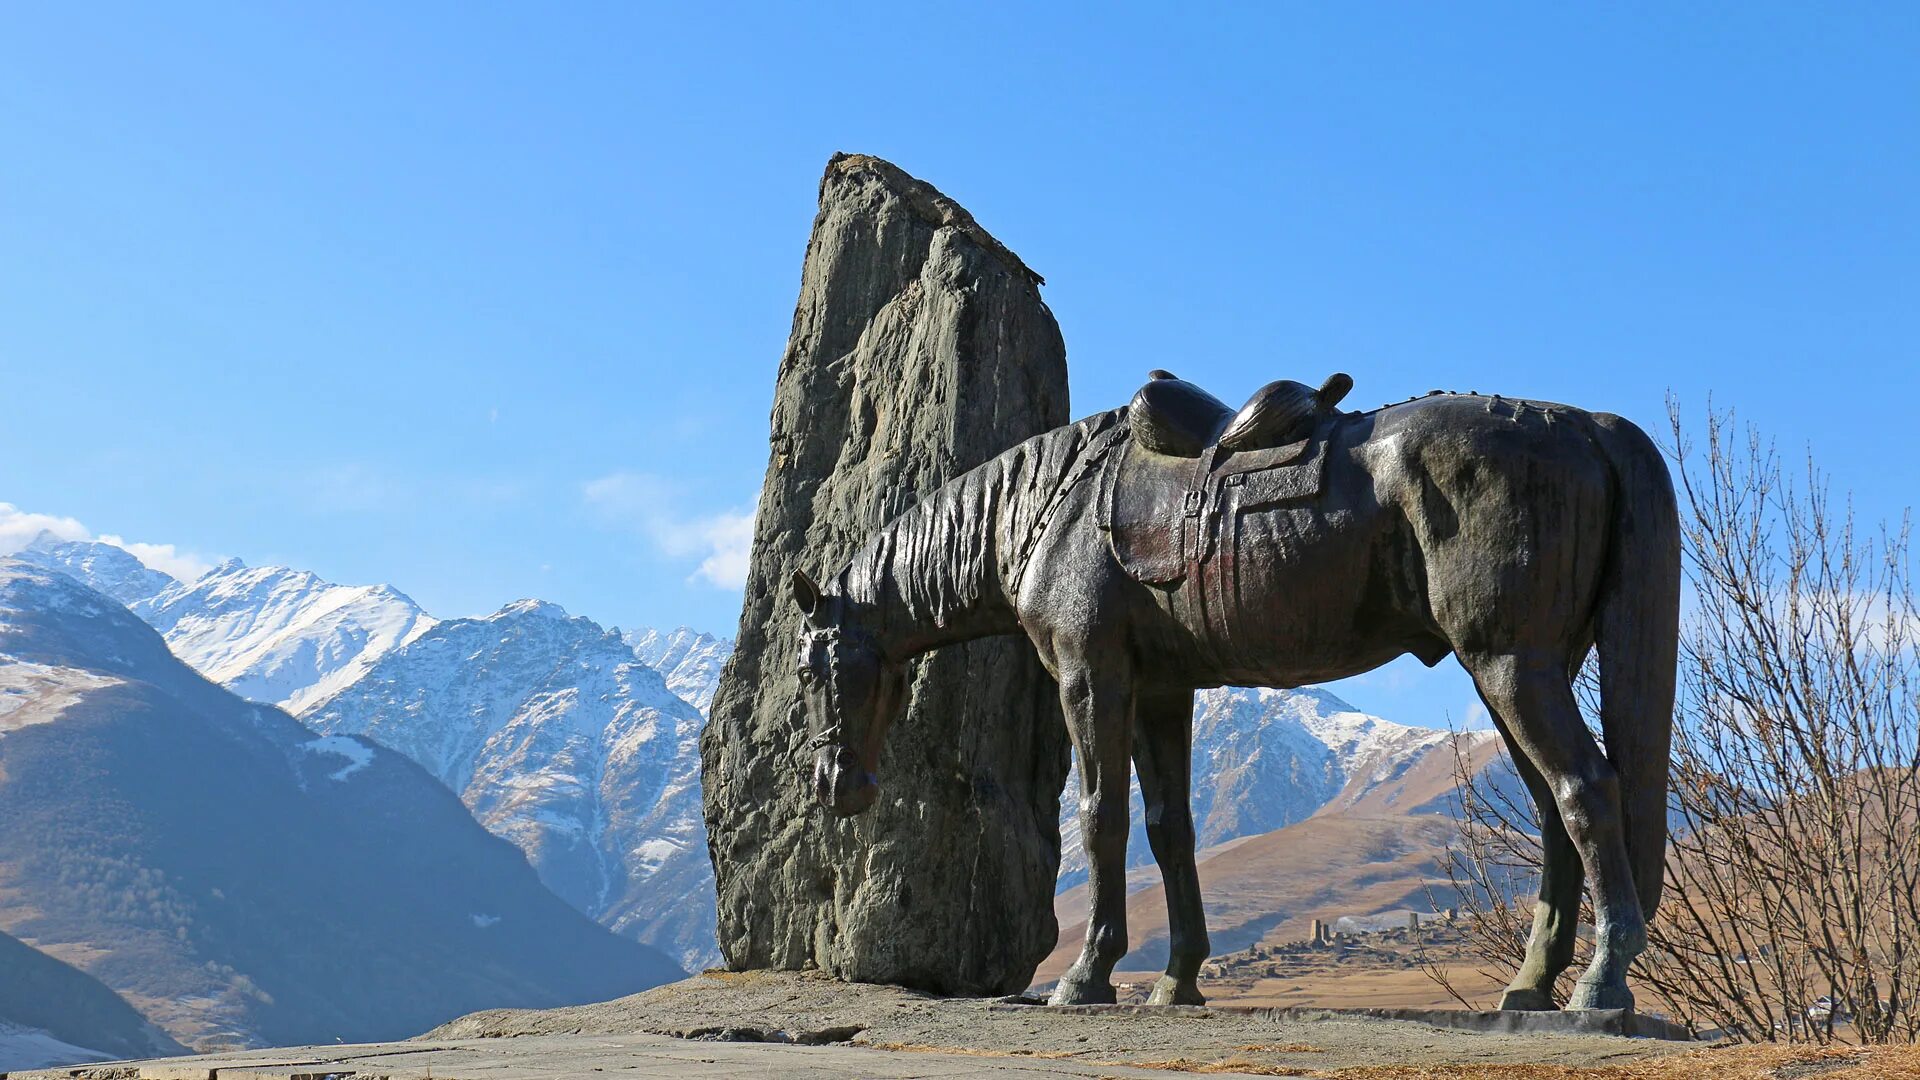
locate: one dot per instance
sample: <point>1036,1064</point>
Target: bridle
<point>829,639</point>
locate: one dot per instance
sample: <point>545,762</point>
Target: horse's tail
<point>1637,629</point>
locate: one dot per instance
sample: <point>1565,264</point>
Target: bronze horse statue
<point>1176,544</point>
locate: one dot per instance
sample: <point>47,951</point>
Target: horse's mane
<point>940,558</point>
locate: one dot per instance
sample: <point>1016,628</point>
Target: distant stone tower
<point>920,348</point>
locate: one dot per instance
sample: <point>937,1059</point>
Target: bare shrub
<point>1792,902</point>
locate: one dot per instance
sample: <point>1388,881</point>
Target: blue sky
<point>485,301</point>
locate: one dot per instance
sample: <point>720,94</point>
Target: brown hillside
<point>1422,788</point>
<point>1269,888</point>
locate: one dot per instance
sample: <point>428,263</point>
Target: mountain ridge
<point>273,634</point>
<point>238,879</point>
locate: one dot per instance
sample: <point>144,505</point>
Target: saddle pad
<point>1160,510</point>
<point>1265,477</point>
<point>1143,511</point>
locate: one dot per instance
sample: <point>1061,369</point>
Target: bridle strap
<point>830,636</point>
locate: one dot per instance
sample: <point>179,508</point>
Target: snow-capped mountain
<point>690,661</point>
<point>269,633</point>
<point>274,634</point>
<point>233,877</point>
<point>1264,759</point>
<point>102,567</point>
<point>561,740</point>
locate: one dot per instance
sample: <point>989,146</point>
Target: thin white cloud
<point>166,558</point>
<point>731,537</point>
<point>18,528</point>
<point>649,504</point>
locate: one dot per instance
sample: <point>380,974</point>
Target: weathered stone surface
<point>920,348</point>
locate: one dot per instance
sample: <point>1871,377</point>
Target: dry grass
<point>1768,1062</point>
<point>1732,1063</point>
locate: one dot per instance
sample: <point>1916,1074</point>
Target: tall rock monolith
<point>920,348</point>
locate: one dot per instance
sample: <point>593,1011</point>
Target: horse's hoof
<point>1600,995</point>
<point>1172,991</point>
<point>1074,992</point>
<point>1526,999</point>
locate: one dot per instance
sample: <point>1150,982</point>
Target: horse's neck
<point>930,578</point>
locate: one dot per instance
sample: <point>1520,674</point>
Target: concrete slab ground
<point>570,1057</point>
<point>765,1024</point>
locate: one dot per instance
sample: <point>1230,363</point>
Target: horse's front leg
<point>1163,756</point>
<point>1098,703</point>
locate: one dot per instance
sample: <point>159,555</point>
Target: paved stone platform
<point>768,1024</point>
<point>569,1057</point>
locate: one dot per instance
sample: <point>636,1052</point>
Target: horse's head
<point>854,691</point>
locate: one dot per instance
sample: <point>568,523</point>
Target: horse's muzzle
<point>841,783</point>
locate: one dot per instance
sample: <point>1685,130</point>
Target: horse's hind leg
<point>1533,697</point>
<point>1163,756</point>
<point>1097,698</point>
<point>1556,916</point>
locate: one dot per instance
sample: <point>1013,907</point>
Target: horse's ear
<point>805,593</point>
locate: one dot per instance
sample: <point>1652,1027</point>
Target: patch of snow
<point>24,1048</point>
<point>48,688</point>
<point>358,754</point>
<point>652,854</point>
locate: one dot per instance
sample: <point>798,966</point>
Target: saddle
<point>1173,416</point>
<point>1190,460</point>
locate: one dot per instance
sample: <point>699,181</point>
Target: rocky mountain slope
<point>1264,759</point>
<point>561,740</point>
<point>238,879</point>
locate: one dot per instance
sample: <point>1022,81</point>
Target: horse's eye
<point>806,676</point>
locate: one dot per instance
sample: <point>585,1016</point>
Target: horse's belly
<point>1280,595</point>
